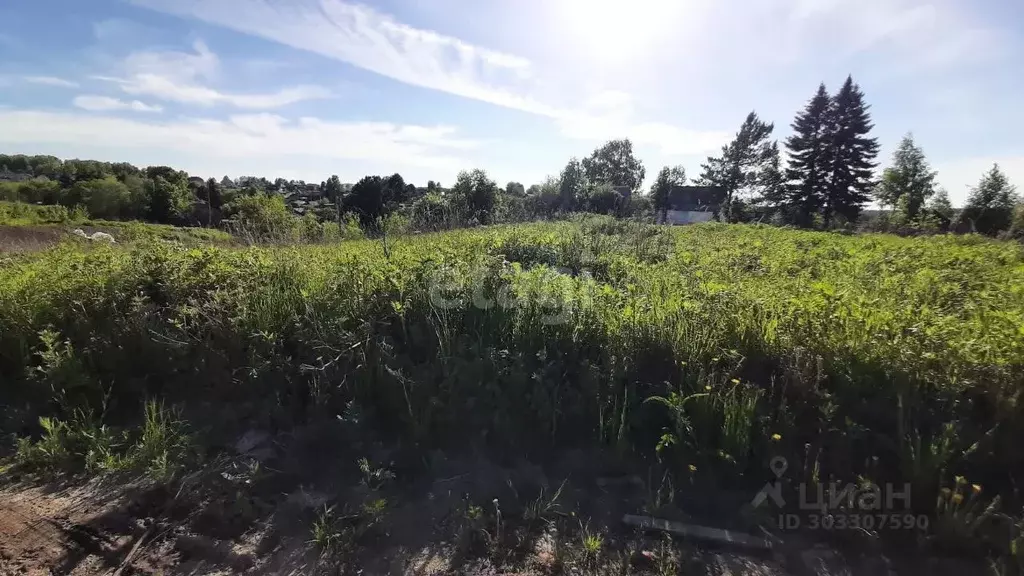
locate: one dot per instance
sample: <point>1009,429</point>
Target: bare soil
<point>243,515</point>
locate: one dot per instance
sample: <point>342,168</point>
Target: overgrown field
<point>707,349</point>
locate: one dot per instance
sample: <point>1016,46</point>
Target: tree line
<point>827,181</point>
<point>830,176</point>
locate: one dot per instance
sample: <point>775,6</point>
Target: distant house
<point>692,204</point>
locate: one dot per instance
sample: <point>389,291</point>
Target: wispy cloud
<point>105,104</point>
<point>363,37</point>
<point>182,77</point>
<point>51,81</point>
<point>248,136</point>
<point>933,33</point>
<point>611,114</point>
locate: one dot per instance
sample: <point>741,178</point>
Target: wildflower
<point>958,498</point>
<point>693,468</point>
<point>976,488</point>
<point>960,480</point>
<point>776,437</point>
<point>946,492</point>
<point>735,380</point>
<point>707,388</point>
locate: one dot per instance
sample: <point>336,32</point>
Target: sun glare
<point>613,29</point>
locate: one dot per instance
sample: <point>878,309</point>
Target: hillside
<point>687,358</point>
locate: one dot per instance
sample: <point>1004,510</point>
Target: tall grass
<point>865,348</point>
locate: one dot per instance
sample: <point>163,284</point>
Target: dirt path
<point>45,529</point>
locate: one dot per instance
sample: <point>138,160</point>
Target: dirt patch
<point>20,239</point>
<point>46,530</point>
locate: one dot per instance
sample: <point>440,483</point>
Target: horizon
<point>303,89</point>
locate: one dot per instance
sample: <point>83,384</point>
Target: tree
<point>808,159</point>
<point>603,199</point>
<point>741,168</point>
<point>667,178</point>
<point>941,206</point>
<point>614,163</point>
<point>226,182</point>
<point>475,194</point>
<point>991,203</point>
<point>332,188</point>
<point>166,200</point>
<point>515,189</point>
<point>104,198</point>
<point>572,186</point>
<point>909,182</point>
<point>262,217</point>
<point>851,155</point>
<point>213,194</point>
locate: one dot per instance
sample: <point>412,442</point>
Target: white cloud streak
<point>246,136</point>
<point>368,39</point>
<point>928,34</point>
<point>95,103</point>
<point>180,77</point>
<point>51,81</point>
<point>611,114</point>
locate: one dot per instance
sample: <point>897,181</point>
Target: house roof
<point>696,198</point>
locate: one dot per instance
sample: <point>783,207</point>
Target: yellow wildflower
<point>976,488</point>
<point>776,437</point>
<point>693,468</point>
<point>707,388</point>
<point>958,498</point>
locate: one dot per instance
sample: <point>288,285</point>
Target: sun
<point>617,29</point>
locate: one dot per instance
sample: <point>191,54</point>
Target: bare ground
<point>253,513</point>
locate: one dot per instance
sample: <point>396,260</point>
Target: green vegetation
<point>712,347</point>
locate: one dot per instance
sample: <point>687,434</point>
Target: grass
<point>852,355</point>
<point>19,214</point>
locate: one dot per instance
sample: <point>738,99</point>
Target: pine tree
<point>851,155</point>
<point>940,204</point>
<point>909,182</point>
<point>990,205</point>
<point>808,159</point>
<point>740,170</point>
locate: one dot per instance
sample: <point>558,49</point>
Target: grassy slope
<point>899,359</point>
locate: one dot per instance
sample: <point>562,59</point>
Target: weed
<point>325,533</point>
<point>163,447</point>
<point>374,477</point>
<point>592,543</point>
<point>543,507</point>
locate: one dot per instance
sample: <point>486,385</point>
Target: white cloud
<point>179,76</point>
<point>105,103</point>
<point>611,114</point>
<point>250,137</point>
<point>51,81</point>
<point>363,37</point>
<point>924,33</point>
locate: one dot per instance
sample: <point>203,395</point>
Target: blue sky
<point>309,88</point>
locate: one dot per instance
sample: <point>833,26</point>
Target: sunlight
<point>617,29</point>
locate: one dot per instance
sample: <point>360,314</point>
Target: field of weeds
<point>695,358</point>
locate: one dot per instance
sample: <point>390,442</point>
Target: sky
<point>302,89</point>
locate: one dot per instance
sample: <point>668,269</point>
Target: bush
<point>261,218</point>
